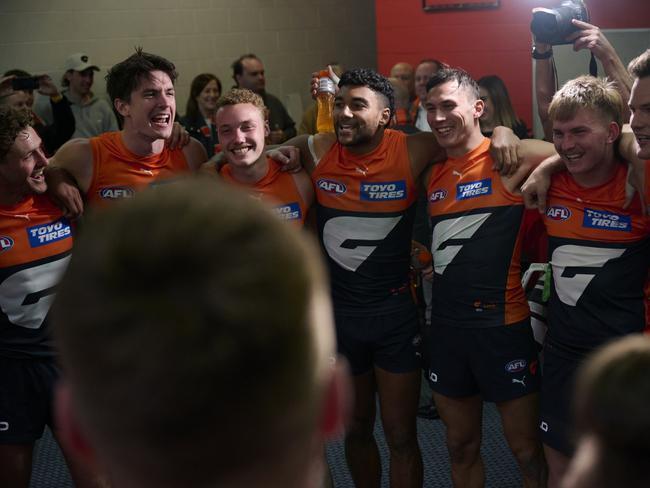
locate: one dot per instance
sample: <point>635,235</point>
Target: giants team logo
<point>437,195</point>
<point>600,219</point>
<point>6,243</point>
<point>290,211</point>
<point>116,192</point>
<point>557,212</point>
<point>389,190</point>
<point>331,186</point>
<point>40,235</point>
<point>474,189</point>
<point>516,366</point>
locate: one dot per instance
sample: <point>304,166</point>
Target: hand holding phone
<point>25,83</point>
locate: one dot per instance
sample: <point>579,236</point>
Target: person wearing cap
<point>93,115</point>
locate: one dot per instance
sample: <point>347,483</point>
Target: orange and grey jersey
<point>476,244</point>
<point>365,210</point>
<point>35,246</point>
<point>599,254</point>
<point>119,173</point>
<point>278,188</point>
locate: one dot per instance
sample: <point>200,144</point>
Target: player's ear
<point>384,117</point>
<point>122,107</point>
<point>613,131</point>
<point>337,401</point>
<point>267,128</point>
<point>479,106</point>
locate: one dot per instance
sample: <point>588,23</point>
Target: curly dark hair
<point>12,123</point>
<point>458,75</point>
<point>126,76</point>
<point>373,80</point>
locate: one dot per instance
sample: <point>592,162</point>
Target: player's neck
<point>249,175</point>
<point>474,139</point>
<point>141,145</point>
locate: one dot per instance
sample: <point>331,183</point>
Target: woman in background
<point>498,108</point>
<point>201,107</point>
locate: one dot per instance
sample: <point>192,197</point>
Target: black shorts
<point>499,363</point>
<point>26,397</point>
<point>556,416</point>
<point>389,341</point>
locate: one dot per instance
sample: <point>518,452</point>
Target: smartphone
<point>25,83</point>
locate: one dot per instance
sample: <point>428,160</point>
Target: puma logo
<point>522,381</point>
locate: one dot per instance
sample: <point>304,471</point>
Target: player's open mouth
<point>642,138</point>
<point>444,131</point>
<point>241,150</point>
<point>37,174</point>
<point>161,120</point>
<point>571,158</point>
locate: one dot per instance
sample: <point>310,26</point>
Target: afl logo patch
<point>331,186</point>
<point>516,366</point>
<point>557,212</point>
<point>116,192</point>
<point>6,243</point>
<point>437,195</point>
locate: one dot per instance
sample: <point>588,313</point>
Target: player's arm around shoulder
<point>423,151</point>
<point>195,154</point>
<point>69,175</point>
<point>532,152</point>
<point>311,153</point>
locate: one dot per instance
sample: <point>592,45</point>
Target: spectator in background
<point>611,411</point>
<point>200,111</point>
<point>63,124</point>
<point>423,73</point>
<point>405,73</point>
<point>497,109</point>
<point>93,115</point>
<point>248,72</point>
<point>308,121</point>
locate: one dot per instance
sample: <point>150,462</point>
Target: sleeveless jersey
<point>118,173</point>
<point>365,212</point>
<point>476,244</point>
<point>276,187</point>
<point>599,255</point>
<point>35,245</point>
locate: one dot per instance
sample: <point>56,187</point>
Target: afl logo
<point>437,195</point>
<point>516,366</point>
<point>6,243</point>
<point>557,212</point>
<point>331,186</point>
<point>116,192</point>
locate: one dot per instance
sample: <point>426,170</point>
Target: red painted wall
<point>485,41</point>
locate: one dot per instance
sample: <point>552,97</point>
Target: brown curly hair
<point>12,123</point>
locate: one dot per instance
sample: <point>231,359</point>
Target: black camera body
<point>25,83</point>
<point>553,25</point>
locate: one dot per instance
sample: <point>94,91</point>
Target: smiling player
<point>117,164</point>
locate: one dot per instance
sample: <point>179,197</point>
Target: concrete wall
<point>292,37</point>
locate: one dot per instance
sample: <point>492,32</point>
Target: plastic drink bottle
<point>325,102</point>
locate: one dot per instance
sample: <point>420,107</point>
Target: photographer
<point>17,91</point>
<point>584,36</point>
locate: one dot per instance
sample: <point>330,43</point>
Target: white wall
<point>292,37</point>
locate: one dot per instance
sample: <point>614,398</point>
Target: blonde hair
<point>243,95</point>
<point>587,92</point>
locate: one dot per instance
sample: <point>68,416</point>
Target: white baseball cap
<point>79,62</point>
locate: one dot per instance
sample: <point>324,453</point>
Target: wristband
<point>56,98</point>
<point>545,55</point>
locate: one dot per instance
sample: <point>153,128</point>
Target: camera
<point>25,83</point>
<point>553,25</point>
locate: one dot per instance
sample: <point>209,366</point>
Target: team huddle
<point>360,184</point>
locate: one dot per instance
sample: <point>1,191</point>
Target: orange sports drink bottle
<point>325,101</point>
